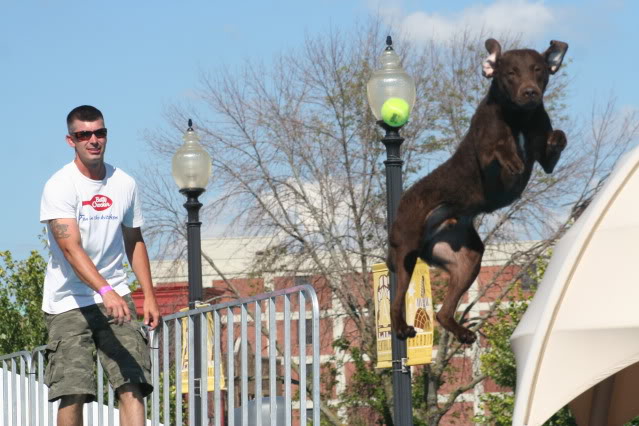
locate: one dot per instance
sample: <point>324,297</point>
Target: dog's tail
<point>389,260</point>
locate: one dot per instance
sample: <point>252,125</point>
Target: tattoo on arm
<point>60,231</point>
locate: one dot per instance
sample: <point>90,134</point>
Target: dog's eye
<point>511,73</point>
<point>537,69</point>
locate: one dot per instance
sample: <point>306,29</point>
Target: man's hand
<point>152,316</point>
<point>116,307</point>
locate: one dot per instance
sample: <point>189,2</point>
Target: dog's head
<point>522,74</point>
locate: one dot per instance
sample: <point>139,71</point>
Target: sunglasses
<point>85,135</point>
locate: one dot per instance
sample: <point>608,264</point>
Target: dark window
<point>309,331</point>
<point>309,373</point>
<point>302,279</point>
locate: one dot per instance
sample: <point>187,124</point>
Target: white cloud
<point>530,18</point>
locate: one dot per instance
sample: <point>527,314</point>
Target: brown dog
<point>490,169</point>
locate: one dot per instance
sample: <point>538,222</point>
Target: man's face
<point>89,151</point>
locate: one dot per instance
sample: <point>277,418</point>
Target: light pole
<point>391,81</point>
<point>191,172</point>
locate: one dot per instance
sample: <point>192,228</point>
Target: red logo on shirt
<point>99,202</point>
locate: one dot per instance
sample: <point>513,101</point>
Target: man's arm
<point>67,235</point>
<point>139,259</point>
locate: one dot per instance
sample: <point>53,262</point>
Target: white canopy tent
<point>578,342</point>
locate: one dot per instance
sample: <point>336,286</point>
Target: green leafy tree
<point>22,323</point>
<point>498,361</point>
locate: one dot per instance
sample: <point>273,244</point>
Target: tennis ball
<point>395,112</point>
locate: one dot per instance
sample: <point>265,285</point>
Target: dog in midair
<point>490,169</point>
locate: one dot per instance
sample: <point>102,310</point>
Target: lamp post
<point>391,81</point>
<point>191,172</point>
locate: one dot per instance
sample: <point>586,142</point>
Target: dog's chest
<point>521,145</point>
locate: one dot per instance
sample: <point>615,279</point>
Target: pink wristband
<point>105,289</point>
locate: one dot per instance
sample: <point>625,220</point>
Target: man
<point>94,218</point>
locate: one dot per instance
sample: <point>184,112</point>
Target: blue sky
<point>134,59</point>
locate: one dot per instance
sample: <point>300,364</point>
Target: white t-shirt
<point>100,207</point>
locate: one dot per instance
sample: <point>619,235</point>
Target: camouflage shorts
<point>74,339</point>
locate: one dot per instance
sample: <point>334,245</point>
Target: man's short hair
<point>83,113</point>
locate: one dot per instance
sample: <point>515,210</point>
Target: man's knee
<point>130,391</point>
<point>69,400</point>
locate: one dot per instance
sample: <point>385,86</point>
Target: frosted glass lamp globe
<point>390,81</point>
<point>191,162</point>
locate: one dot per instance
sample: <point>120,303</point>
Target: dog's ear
<point>554,55</point>
<point>494,50</point>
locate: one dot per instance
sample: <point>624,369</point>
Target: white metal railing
<point>15,387</point>
<point>254,337</point>
<point>241,326</point>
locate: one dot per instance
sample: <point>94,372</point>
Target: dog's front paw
<point>405,332</point>
<point>513,165</point>
<point>556,142</point>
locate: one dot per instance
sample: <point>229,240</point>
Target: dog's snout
<point>531,93</point>
<point>528,96</point>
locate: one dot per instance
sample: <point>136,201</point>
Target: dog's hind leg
<point>457,248</point>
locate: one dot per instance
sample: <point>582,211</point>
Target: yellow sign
<point>382,315</point>
<point>419,314</point>
<point>209,353</point>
